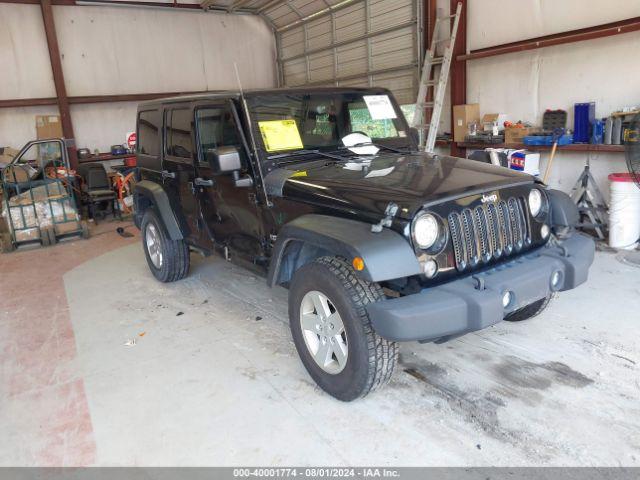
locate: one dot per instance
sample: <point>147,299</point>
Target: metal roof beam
<point>590,33</point>
<point>86,99</point>
<point>269,5</point>
<point>236,4</point>
<point>319,14</point>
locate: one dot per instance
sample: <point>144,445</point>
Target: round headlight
<point>535,202</point>
<point>425,230</point>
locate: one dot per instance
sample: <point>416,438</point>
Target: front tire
<point>168,259</point>
<point>531,310</point>
<point>332,331</point>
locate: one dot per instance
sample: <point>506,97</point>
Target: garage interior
<point>102,365</point>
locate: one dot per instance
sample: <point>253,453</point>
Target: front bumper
<point>476,302</point>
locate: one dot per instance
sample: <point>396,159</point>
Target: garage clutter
<point>493,128</point>
<point>517,145</point>
<point>40,208</point>
<point>45,200</point>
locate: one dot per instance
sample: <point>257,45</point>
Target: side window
<point>42,154</point>
<point>216,128</point>
<point>39,156</point>
<point>149,124</point>
<point>179,133</point>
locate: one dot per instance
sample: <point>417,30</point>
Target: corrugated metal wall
<point>359,43</point>
<point>122,50</point>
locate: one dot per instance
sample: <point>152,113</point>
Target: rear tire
<point>168,259</point>
<point>365,360</point>
<point>531,310</point>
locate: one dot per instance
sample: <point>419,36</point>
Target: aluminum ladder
<point>439,84</point>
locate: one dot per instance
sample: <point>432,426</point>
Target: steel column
<point>58,78</point>
<point>459,69</point>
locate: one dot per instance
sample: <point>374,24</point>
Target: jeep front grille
<point>489,231</point>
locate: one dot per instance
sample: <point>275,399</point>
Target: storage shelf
<point>573,147</point>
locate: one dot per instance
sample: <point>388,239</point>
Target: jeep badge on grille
<point>489,198</point>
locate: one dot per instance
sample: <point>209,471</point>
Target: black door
<point>230,212</point>
<point>179,170</point>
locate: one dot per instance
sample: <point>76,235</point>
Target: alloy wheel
<point>154,245</point>
<point>323,332</point>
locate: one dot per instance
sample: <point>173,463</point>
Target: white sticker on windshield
<point>380,107</point>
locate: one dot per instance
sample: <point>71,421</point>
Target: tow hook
<point>559,244</point>
<point>479,282</point>
<point>389,213</point>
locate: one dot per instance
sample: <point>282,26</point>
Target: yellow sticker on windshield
<point>280,135</point>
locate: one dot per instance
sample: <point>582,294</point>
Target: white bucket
<point>624,212</point>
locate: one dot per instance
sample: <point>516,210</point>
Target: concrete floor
<point>214,379</point>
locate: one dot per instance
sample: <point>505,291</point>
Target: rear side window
<point>179,133</point>
<point>149,124</point>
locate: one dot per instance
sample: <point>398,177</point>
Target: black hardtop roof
<point>222,94</point>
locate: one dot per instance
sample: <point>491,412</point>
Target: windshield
<point>319,121</point>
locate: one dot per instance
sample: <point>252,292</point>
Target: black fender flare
<point>564,213</point>
<point>156,194</point>
<point>387,255</point>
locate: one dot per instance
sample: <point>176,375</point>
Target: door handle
<point>168,174</point>
<point>201,182</point>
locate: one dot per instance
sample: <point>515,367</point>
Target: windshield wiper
<point>379,145</point>
<point>298,153</point>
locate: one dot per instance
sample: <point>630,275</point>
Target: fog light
<point>544,230</point>
<point>430,268</point>
<point>556,279</point>
<point>507,297</point>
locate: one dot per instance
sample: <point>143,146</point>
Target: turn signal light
<point>358,264</point>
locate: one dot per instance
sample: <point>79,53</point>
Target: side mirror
<point>239,181</point>
<point>224,159</point>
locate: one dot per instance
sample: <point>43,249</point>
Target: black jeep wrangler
<point>324,191</point>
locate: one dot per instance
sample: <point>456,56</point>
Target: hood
<point>368,184</point>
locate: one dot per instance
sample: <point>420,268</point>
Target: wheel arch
<point>149,194</point>
<point>387,255</point>
<point>564,212</point>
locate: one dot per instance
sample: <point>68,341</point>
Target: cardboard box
<point>48,126</point>
<point>41,213</point>
<point>463,115</point>
<point>524,161</point>
<point>7,154</point>
<point>491,119</point>
<point>513,135</point>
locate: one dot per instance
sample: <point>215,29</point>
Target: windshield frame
<point>403,140</point>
